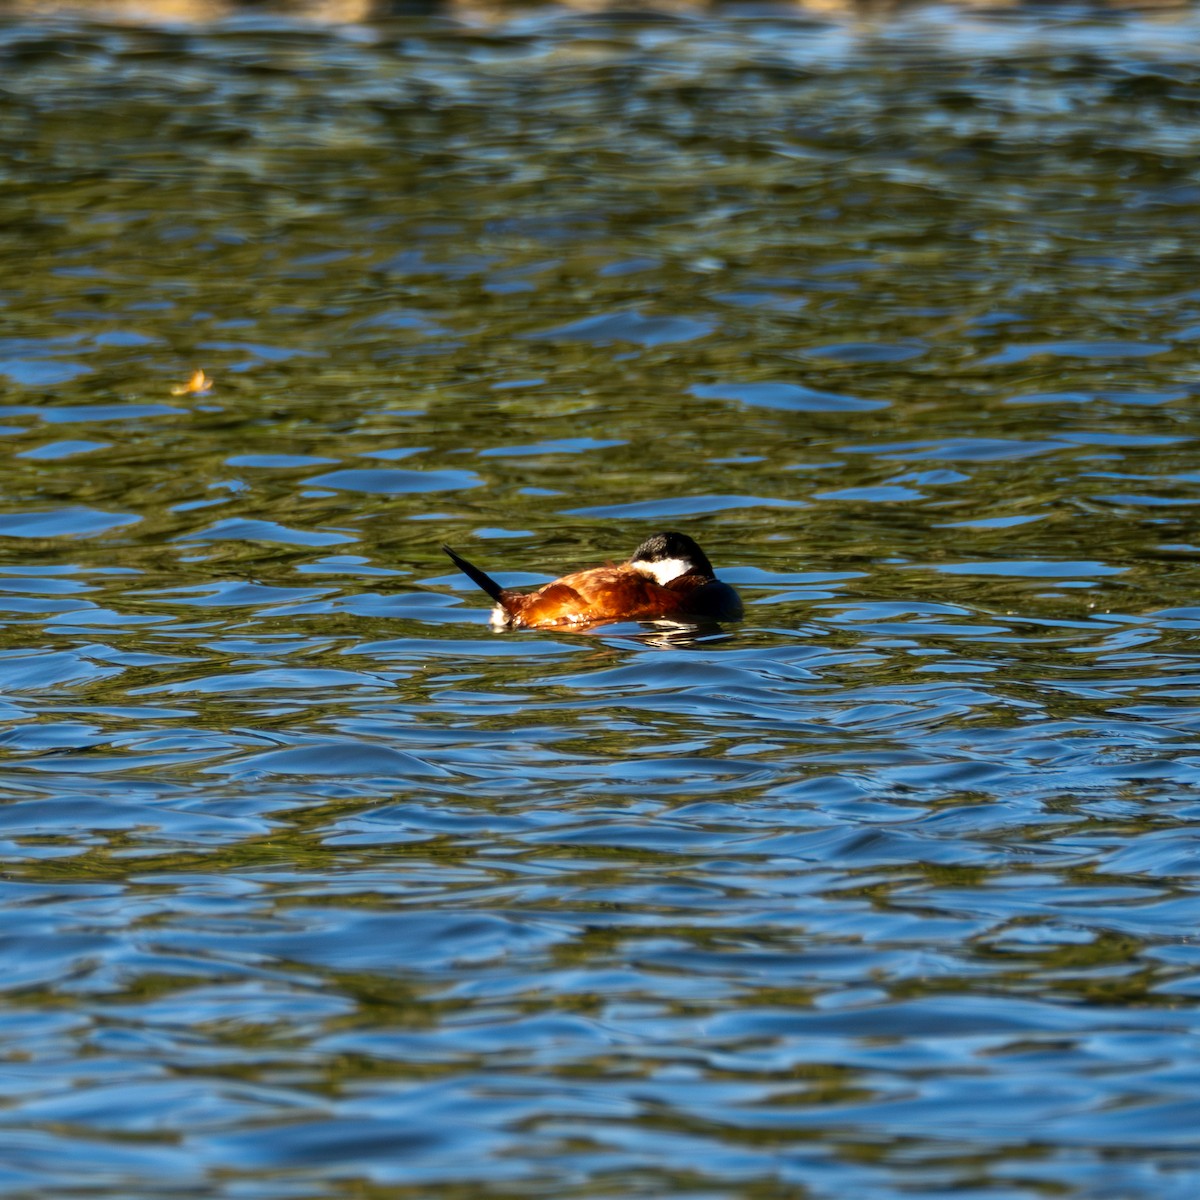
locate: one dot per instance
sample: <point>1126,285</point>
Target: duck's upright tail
<point>476,576</point>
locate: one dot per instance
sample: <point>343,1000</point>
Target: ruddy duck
<point>667,577</point>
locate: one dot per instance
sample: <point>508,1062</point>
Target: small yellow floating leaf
<point>197,385</point>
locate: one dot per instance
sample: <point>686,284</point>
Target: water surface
<point>314,885</point>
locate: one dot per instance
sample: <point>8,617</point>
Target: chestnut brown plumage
<point>667,577</point>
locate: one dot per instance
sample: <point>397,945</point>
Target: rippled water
<point>314,886</point>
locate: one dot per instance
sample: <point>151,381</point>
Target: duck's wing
<point>555,604</point>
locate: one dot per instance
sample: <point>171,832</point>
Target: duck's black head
<point>666,556</point>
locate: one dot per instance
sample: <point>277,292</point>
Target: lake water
<point>314,886</point>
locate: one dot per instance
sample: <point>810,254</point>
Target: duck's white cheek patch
<point>663,571</point>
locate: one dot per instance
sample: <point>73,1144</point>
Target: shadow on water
<point>313,882</point>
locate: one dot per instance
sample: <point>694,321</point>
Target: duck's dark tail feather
<point>476,576</point>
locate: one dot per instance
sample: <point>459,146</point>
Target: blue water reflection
<point>316,885</point>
